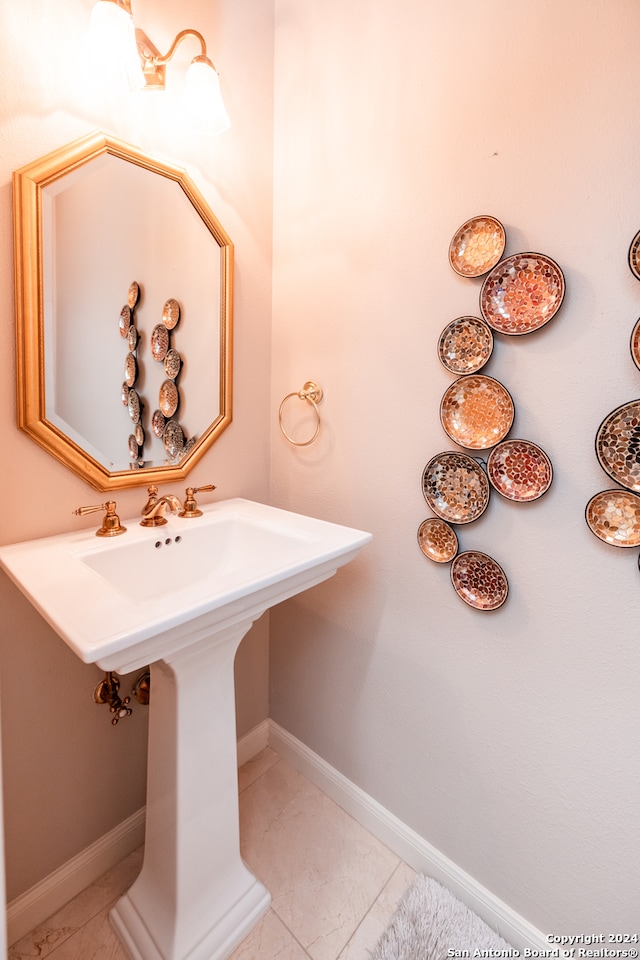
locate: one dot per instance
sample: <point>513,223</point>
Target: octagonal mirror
<point>124,282</point>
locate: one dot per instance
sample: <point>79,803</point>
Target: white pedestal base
<point>194,899</point>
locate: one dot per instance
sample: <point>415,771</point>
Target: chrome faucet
<point>153,510</point>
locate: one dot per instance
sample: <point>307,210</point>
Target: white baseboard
<point>408,845</point>
<point>253,742</point>
<point>33,907</point>
<point>41,901</point>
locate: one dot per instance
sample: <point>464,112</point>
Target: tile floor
<point>333,885</point>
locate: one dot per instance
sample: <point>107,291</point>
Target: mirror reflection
<point>109,395</point>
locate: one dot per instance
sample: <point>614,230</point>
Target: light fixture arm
<point>154,63</point>
<point>180,37</point>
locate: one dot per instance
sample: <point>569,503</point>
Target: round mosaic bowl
<point>618,445</point>
<point>465,345</point>
<point>124,322</point>
<point>134,293</point>
<point>437,540</point>
<point>522,293</point>
<point>634,345</point>
<point>476,412</point>
<point>479,580</point>
<point>455,487</point>
<point>477,246</point>
<point>634,256</point>
<point>519,470</point>
<point>168,398</point>
<point>614,517</point>
<point>171,314</point>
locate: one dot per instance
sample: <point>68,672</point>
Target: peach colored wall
<point>68,775</point>
<point>508,740</point>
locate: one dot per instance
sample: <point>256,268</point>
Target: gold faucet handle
<point>191,508</point>
<point>111,525</point>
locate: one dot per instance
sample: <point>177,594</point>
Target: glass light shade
<point>202,99</point>
<point>112,47</point>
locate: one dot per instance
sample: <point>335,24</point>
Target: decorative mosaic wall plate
<point>168,398</point>
<point>130,369</point>
<point>159,342</point>
<point>618,445</point>
<point>635,344</point>
<point>455,487</point>
<point>519,470</point>
<point>477,412</point>
<point>437,540</point>
<point>125,322</point>
<point>171,314</point>
<point>134,405</point>
<point>465,345</point>
<point>634,256</point>
<point>479,580</point>
<point>477,246</point>
<point>133,294</point>
<point>522,293</point>
<point>173,439</point>
<point>614,516</point>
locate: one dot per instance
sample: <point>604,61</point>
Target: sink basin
<point>180,597</point>
<point>121,602</point>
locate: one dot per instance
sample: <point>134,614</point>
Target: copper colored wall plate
<point>465,345</point>
<point>522,293</point>
<point>614,517</point>
<point>437,540</point>
<point>519,470</point>
<point>477,412</point>
<point>618,445</point>
<point>477,246</point>
<point>455,487</point>
<point>479,580</point>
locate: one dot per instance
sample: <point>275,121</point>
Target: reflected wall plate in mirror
<point>172,364</point>
<point>614,517</point>
<point>618,445</point>
<point>169,398</point>
<point>477,412</point>
<point>437,540</point>
<point>134,406</point>
<point>455,487</point>
<point>634,256</point>
<point>158,423</point>
<point>174,439</point>
<point>465,345</point>
<point>477,246</point>
<point>130,369</point>
<point>133,447</point>
<point>522,293</point>
<point>519,470</point>
<point>479,580</point>
<point>69,209</point>
<point>159,342</point>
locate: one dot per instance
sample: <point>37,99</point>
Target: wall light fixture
<point>125,56</point>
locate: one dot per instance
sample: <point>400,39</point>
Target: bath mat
<point>430,922</point>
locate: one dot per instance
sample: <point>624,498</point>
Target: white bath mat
<point>430,923</point>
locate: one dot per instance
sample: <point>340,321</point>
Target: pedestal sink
<point>181,597</point>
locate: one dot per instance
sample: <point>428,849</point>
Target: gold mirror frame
<point>28,184</point>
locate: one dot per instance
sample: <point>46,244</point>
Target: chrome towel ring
<point>312,393</point>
